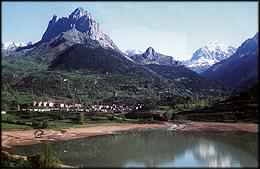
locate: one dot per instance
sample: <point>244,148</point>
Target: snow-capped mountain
<point>131,52</point>
<point>208,55</point>
<point>150,56</point>
<point>11,46</point>
<point>240,69</point>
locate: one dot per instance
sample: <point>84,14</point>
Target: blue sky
<point>172,28</point>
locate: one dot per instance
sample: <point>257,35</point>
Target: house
<point>51,104</point>
<point>45,104</point>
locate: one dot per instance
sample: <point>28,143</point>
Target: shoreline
<point>26,137</point>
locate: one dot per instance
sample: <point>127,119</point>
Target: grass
<point>10,120</point>
<point>7,126</point>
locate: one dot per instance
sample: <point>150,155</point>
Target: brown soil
<point>218,127</point>
<point>26,137</point>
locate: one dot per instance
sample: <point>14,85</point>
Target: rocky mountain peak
<point>213,52</point>
<point>80,24</point>
<point>53,20</point>
<point>150,56</point>
<point>78,13</point>
<point>150,50</point>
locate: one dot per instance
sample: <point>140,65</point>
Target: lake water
<point>156,148</point>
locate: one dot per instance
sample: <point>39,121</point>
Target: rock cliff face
<point>80,26</point>
<point>62,33</point>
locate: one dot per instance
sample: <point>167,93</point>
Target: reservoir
<point>156,148</point>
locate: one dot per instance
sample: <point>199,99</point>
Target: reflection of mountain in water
<point>210,154</point>
<point>154,149</point>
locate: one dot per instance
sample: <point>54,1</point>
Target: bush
<point>20,122</point>
<point>45,124</point>
<point>111,117</point>
<point>167,116</point>
<point>35,124</point>
<point>40,125</point>
<point>46,159</point>
<point>81,118</point>
<point>96,118</point>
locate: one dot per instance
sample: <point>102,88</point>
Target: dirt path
<point>26,137</point>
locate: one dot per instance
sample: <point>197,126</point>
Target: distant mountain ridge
<point>150,56</point>
<point>131,52</point>
<point>208,55</point>
<point>12,46</point>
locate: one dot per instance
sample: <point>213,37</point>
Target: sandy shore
<point>26,137</point>
<point>218,127</point>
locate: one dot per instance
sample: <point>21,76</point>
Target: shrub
<point>45,124</point>
<point>167,116</point>
<point>40,125</point>
<point>81,118</point>
<point>47,158</point>
<point>20,122</point>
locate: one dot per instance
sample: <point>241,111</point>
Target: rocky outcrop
<point>150,56</point>
<point>78,27</point>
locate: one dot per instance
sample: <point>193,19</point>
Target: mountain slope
<point>241,69</point>
<point>242,107</point>
<point>182,77</point>
<point>97,58</point>
<point>208,55</point>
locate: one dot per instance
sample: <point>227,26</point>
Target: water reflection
<point>157,148</point>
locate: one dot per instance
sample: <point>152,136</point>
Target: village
<point>49,106</point>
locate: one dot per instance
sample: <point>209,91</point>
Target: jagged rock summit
<point>150,56</point>
<point>62,33</point>
<point>80,26</point>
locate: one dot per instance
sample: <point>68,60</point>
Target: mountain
<point>150,56</point>
<point>208,55</point>
<point>241,107</point>
<point>76,49</point>
<point>131,52</point>
<point>240,69</point>
<point>94,58</point>
<point>182,77</point>
<point>12,46</point>
<point>78,28</point>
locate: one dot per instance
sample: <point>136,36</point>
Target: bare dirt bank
<point>218,127</point>
<point>26,137</point>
